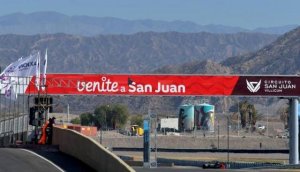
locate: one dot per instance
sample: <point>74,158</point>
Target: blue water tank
<point>188,117</point>
<point>205,117</point>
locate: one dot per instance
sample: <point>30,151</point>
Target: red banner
<point>168,85</point>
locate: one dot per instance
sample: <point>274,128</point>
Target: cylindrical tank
<point>205,117</point>
<point>186,117</point>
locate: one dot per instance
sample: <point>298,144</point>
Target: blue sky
<point>243,13</point>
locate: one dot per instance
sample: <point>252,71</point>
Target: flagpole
<point>44,71</point>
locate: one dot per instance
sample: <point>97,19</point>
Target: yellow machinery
<point>136,130</point>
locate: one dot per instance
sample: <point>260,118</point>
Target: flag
<point>44,71</point>
<point>10,93</point>
<point>24,67</point>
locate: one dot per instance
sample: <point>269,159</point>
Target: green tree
<point>75,120</point>
<point>87,119</point>
<point>101,114</point>
<point>119,116</point>
<point>136,120</point>
<point>114,116</point>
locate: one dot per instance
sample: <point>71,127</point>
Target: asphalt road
<point>168,169</point>
<point>192,169</point>
<point>16,160</point>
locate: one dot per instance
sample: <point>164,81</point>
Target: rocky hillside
<point>280,57</point>
<point>196,67</point>
<point>138,53</point>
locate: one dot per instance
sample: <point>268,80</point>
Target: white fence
<point>16,125</point>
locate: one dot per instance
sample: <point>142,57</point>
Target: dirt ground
<point>238,139</point>
<point>268,139</point>
<point>251,142</point>
<point>201,142</point>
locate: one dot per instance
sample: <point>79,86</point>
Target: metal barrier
<point>239,165</point>
<point>14,129</point>
<point>231,165</point>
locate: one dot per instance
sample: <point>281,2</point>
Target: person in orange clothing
<point>44,134</point>
<point>47,132</point>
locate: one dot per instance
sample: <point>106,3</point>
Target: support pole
<point>293,129</point>
<point>218,135</point>
<point>147,147</point>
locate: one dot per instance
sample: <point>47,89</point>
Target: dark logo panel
<point>267,86</point>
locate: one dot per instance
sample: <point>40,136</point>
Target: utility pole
<point>155,138</point>
<point>228,140</point>
<point>218,135</point>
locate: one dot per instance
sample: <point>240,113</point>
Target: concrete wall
<point>88,151</point>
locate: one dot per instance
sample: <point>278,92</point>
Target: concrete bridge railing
<point>88,151</point>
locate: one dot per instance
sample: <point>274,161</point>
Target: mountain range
<point>137,53</point>
<point>280,57</point>
<point>53,22</point>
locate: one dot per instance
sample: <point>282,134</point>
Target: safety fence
<point>14,110</point>
<point>230,164</point>
<point>248,151</point>
<point>14,130</point>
